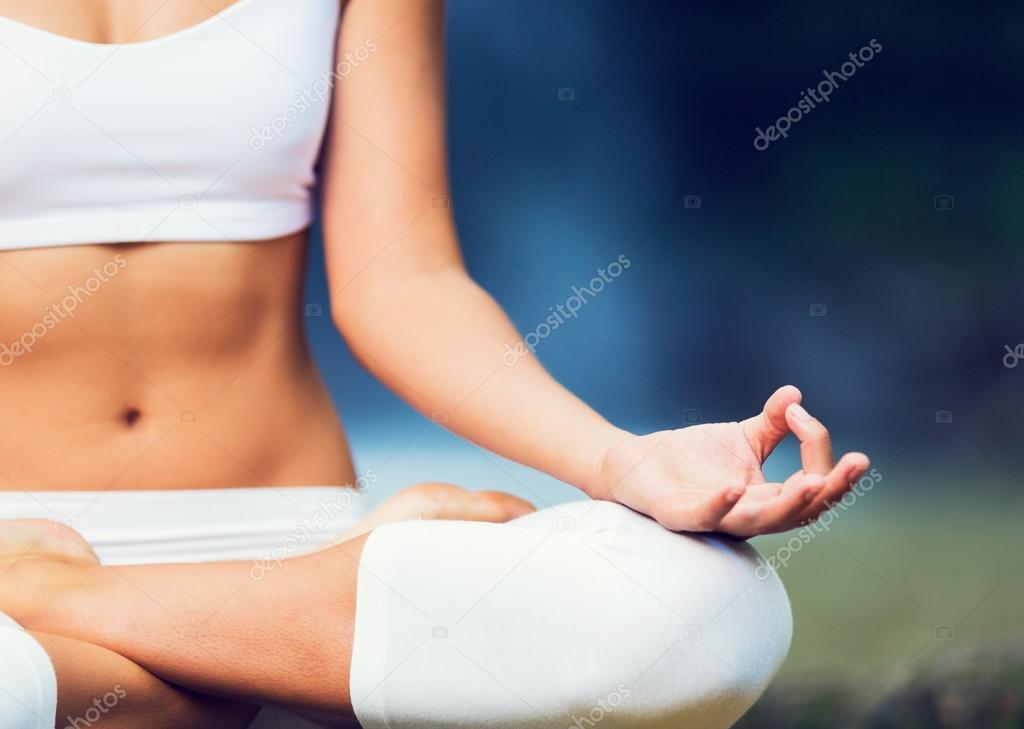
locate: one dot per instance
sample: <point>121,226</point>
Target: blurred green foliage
<point>908,613</point>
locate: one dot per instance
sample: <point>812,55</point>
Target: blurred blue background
<point>873,257</point>
<point>715,312</point>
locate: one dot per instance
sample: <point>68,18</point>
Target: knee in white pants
<point>28,685</point>
<point>580,615</point>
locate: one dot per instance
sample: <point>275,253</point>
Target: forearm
<point>285,640</point>
<point>443,344</point>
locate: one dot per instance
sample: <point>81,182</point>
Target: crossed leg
<point>607,599</point>
<point>284,640</point>
<point>98,683</point>
<point>93,683</point>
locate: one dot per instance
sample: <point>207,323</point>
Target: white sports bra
<point>209,133</point>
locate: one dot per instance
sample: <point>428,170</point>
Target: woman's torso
<point>157,365</point>
<point>187,368</point>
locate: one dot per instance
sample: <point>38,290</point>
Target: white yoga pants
<point>28,686</point>
<point>579,615</point>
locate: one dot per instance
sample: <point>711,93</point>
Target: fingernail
<point>799,412</point>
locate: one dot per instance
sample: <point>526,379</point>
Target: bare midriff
<point>174,365</point>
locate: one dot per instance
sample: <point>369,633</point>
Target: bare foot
<point>443,501</point>
<point>42,538</point>
<point>35,556</point>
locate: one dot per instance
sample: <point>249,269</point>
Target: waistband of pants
<point>195,525</point>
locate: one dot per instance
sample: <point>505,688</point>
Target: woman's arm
<point>401,295</point>
<point>412,315</point>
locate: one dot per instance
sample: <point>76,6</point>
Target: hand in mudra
<point>708,477</point>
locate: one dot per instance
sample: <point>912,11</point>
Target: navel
<point>131,416</point>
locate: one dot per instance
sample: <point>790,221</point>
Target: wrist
<point>594,454</point>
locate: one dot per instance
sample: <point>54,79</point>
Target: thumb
<point>766,430</point>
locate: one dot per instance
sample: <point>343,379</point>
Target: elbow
<point>355,309</point>
<point>356,329</point>
<point>343,319</point>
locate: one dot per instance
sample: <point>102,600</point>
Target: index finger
<point>815,442</point>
